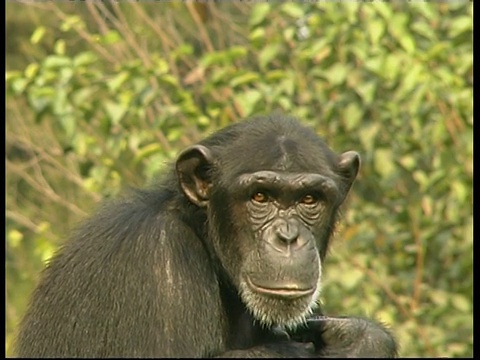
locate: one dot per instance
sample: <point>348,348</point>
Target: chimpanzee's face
<point>270,218</point>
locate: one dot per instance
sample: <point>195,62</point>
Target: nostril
<point>287,233</point>
<point>287,238</point>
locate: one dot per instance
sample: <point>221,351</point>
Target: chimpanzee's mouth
<point>288,290</point>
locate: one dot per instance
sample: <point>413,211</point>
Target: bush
<point>114,91</point>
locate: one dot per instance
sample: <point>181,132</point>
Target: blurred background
<point>100,96</point>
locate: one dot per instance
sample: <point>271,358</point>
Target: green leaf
<point>72,22</point>
<point>421,178</point>
<point>352,115</point>
<point>376,30</point>
<point>161,66</point>
<point>257,36</point>
<point>375,64</point>
<point>461,303</point>
<point>38,35</point>
<point>384,164</point>
<point>287,86</point>
<point>115,111</point>
<point>429,13</point>
<point>337,73</point>
<point>183,49</point>
<point>292,9</point>
<point>367,135</point>
<point>169,80</point>
<point>437,49</point>
<point>289,34</point>
<point>412,78</point>
<point>425,30</point>
<point>366,91</point>
<point>147,151</point>
<point>275,75</point>
<point>461,190</point>
<point>399,27</point>
<point>60,104</point>
<point>117,81</point>
<point>286,105</point>
<point>59,47</point>
<point>223,57</point>
<point>259,13</point>
<point>31,70</point>
<point>83,96</point>
<point>57,61</point>
<point>84,58</point>
<point>244,79</point>
<point>407,42</point>
<point>460,25</point>
<point>111,37</point>
<point>248,100</point>
<point>12,75</point>
<point>69,125</point>
<point>41,98</point>
<point>45,249</point>
<point>19,85</point>
<point>351,278</point>
<point>14,238</point>
<point>174,134</point>
<point>236,53</point>
<point>269,53</point>
<point>408,162</point>
<point>439,297</point>
<point>391,67</point>
<point>385,10</point>
<point>317,50</point>
<point>203,121</point>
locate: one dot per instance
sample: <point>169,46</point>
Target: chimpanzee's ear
<point>192,167</point>
<point>348,166</point>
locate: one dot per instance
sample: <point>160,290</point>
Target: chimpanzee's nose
<point>286,236</point>
<point>287,231</point>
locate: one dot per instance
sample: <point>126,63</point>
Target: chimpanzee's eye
<point>309,199</point>
<point>260,197</point>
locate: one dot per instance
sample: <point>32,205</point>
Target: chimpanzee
<point>222,259</point>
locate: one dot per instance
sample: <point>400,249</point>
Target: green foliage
<point>89,116</point>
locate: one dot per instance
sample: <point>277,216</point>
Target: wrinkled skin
<point>222,259</point>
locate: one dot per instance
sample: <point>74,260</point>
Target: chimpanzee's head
<point>271,189</point>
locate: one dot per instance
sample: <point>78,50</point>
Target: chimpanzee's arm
<point>346,337</point>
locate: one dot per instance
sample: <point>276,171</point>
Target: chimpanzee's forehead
<point>287,181</point>
<point>277,152</point>
<point>275,143</point>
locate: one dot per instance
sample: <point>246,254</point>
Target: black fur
<point>144,276</point>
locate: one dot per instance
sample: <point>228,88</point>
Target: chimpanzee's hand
<point>347,337</point>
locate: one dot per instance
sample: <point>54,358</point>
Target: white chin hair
<point>286,314</point>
